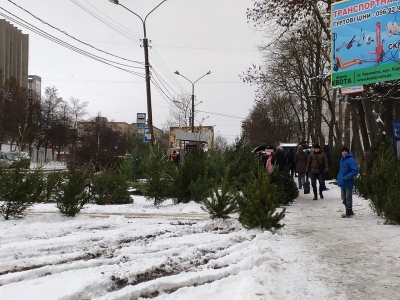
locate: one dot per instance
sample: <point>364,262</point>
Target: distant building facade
<point>14,53</point>
<point>34,88</point>
<point>127,130</point>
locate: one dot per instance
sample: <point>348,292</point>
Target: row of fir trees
<point>224,181</point>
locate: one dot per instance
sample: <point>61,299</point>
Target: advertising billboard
<point>365,42</point>
<point>208,132</point>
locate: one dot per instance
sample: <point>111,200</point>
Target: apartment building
<point>14,53</point>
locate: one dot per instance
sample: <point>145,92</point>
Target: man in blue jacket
<point>348,170</point>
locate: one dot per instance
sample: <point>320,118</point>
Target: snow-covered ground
<point>137,251</point>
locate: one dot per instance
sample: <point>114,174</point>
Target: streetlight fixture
<point>177,73</point>
<point>147,65</point>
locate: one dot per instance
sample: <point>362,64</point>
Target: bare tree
<point>181,111</point>
<point>77,112</point>
<point>15,116</point>
<point>220,142</point>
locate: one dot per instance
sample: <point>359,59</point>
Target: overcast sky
<point>191,36</point>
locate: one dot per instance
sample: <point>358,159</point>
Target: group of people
<point>315,165</point>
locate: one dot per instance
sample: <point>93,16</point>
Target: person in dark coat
<point>328,155</point>
<point>279,159</point>
<point>290,160</point>
<point>317,163</point>
<point>300,160</point>
<point>264,158</point>
<point>347,171</point>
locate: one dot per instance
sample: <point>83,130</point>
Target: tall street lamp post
<point>147,65</point>
<point>177,73</point>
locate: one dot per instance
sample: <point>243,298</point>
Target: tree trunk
<point>370,120</point>
<point>356,145</point>
<point>363,126</point>
<point>341,121</point>
<point>347,125</point>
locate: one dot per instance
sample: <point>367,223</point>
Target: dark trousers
<point>320,178</point>
<point>292,171</point>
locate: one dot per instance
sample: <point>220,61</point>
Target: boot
<point>320,195</point>
<point>315,193</point>
<point>349,213</point>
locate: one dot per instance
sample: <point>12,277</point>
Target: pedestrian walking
<point>348,169</point>
<point>300,160</point>
<point>317,163</point>
<point>290,159</point>
<point>279,159</point>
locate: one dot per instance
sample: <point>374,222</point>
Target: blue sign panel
<point>141,120</point>
<point>396,137</point>
<point>146,134</point>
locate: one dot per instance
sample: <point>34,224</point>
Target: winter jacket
<point>290,158</point>
<point>348,170</point>
<point>300,160</point>
<point>313,164</point>
<point>279,159</point>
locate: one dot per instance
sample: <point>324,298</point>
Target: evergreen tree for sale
<point>178,188</point>
<point>109,187</point>
<point>287,189</point>
<point>257,206</point>
<point>200,189</point>
<point>19,189</point>
<point>155,167</point>
<point>71,195</point>
<point>223,200</point>
<point>51,184</point>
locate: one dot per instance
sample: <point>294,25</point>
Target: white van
<point>287,146</point>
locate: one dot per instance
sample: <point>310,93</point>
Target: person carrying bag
<point>317,170</point>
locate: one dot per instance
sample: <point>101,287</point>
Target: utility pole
<point>147,66</point>
<point>148,90</point>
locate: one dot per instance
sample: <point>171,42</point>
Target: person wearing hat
<point>317,163</point>
<point>348,169</point>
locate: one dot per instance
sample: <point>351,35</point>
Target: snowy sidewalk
<point>356,258</point>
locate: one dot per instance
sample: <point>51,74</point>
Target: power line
<point>162,93</point>
<point>168,72</point>
<point>207,112</point>
<point>125,32</point>
<point>158,61</point>
<point>162,81</point>
<point>66,45</point>
<point>63,32</point>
